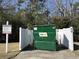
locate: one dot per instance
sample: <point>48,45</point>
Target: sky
<point>51,4</point>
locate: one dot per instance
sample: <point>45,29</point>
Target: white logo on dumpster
<point>35,28</point>
<point>43,34</point>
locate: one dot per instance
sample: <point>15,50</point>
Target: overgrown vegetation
<point>34,14</point>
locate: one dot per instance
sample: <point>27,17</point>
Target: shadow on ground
<point>30,48</point>
<point>61,47</point>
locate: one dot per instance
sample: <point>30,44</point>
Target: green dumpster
<point>44,37</point>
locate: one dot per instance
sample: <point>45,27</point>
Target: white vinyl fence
<point>65,37</point>
<point>25,38</point>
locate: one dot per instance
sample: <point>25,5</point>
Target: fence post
<point>72,45</point>
<point>20,38</point>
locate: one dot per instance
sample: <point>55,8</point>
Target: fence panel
<point>25,38</point>
<point>65,37</point>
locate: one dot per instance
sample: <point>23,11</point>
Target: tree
<point>61,22</point>
<point>35,11</point>
<point>75,8</point>
<point>75,24</point>
<point>76,5</point>
<point>65,10</point>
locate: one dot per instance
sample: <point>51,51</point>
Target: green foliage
<point>34,15</point>
<point>75,24</point>
<point>61,22</point>
<point>76,4</point>
<point>65,22</point>
<point>21,1</point>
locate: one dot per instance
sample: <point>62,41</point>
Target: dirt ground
<point>13,50</point>
<point>43,54</point>
<point>14,53</point>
